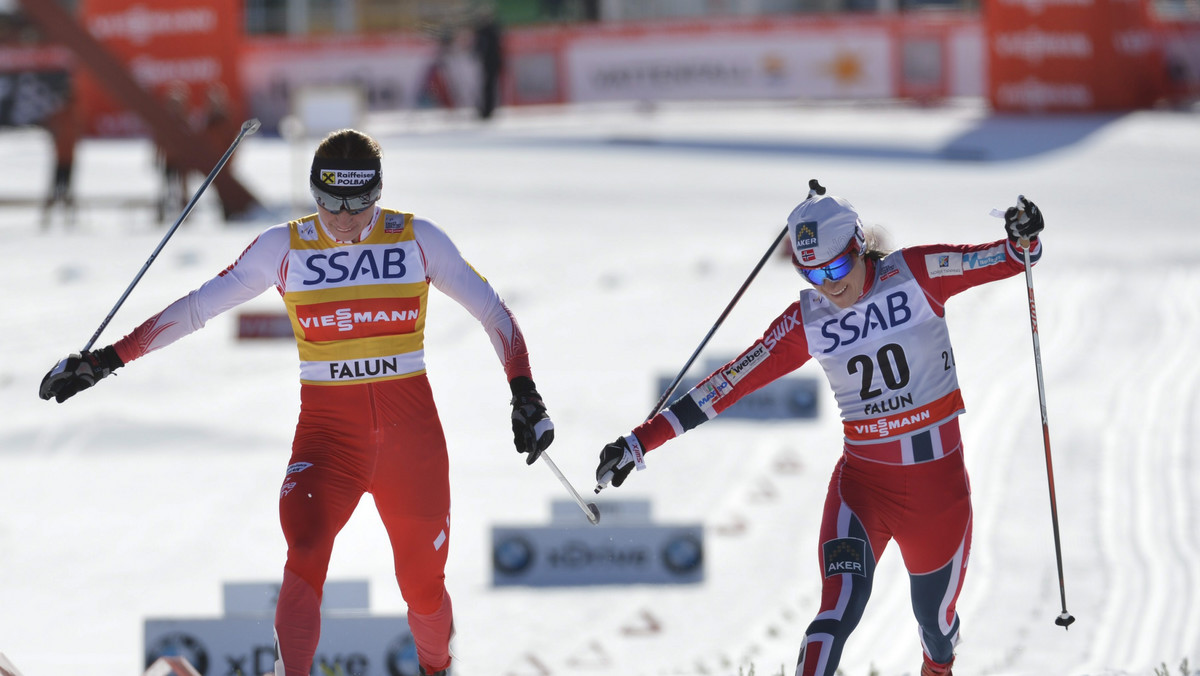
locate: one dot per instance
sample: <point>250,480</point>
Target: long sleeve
<point>945,270</point>
<point>782,349</point>
<point>257,269</point>
<point>454,276</point>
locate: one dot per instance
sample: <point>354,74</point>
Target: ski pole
<point>1065,619</point>
<point>589,508</point>
<point>814,188</point>
<point>248,127</point>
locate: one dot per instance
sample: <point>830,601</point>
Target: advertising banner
<point>392,73</point>
<point>626,548</point>
<point>242,642</point>
<point>364,646</point>
<point>850,62</point>
<point>1071,55</point>
<point>181,49</point>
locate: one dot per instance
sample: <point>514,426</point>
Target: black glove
<point>532,429</point>
<point>79,372</point>
<point>617,460</point>
<point>1023,221</point>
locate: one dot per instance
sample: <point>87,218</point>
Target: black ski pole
<point>814,188</point>
<point>248,127</point>
<point>1065,619</point>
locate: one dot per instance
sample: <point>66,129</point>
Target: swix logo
<point>1032,312</point>
<point>782,328</point>
<point>370,264</point>
<point>363,318</point>
<point>854,326</point>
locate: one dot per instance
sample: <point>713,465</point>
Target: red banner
<point>1071,55</point>
<point>184,51</point>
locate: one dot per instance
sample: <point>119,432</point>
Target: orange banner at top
<point>184,51</point>
<point>1072,55</point>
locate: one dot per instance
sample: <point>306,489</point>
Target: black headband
<point>345,177</point>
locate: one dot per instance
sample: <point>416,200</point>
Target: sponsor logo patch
<point>982,259</point>
<point>346,177</point>
<point>393,223</point>
<point>362,318</point>
<point>749,361</point>
<point>308,231</point>
<point>806,235</point>
<point>844,555</point>
<point>297,467</point>
<point>708,392</point>
<point>943,265</point>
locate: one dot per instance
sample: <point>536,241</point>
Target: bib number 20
<point>892,366</point>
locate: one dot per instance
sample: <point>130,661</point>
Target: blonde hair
<point>876,242</point>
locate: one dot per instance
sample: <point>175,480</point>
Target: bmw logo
<point>179,644</point>
<point>683,554</point>
<point>512,555</point>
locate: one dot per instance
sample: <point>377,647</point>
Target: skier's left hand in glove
<point>532,429</point>
<point>1023,221</point>
<point>78,372</point>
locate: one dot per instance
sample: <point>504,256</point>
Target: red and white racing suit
<point>367,418</point>
<point>901,476</point>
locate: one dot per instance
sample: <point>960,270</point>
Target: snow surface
<point>617,235</point>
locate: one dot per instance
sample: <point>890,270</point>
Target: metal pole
<point>248,127</point>
<point>814,189</point>
<point>589,508</point>
<point>1065,619</point>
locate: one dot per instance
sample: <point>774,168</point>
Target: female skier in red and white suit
<point>355,279</point>
<point>875,323</point>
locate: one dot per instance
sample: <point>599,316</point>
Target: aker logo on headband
<point>806,235</point>
<point>346,177</point>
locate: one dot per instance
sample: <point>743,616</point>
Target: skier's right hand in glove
<point>617,460</point>
<point>78,372</point>
<point>1024,221</point>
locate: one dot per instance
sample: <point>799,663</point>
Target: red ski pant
<point>385,439</point>
<point>926,509</point>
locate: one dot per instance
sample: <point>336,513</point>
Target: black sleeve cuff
<point>522,386</point>
<point>109,358</point>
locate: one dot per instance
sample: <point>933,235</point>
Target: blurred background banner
<point>254,57</point>
<point>184,51</point>
<point>1070,55</point>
